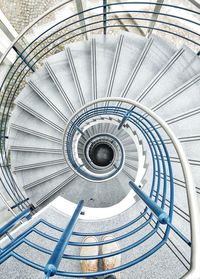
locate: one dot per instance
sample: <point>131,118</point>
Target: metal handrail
<point>31,25</point>
<point>100,243</point>
<point>121,112</point>
<point>190,188</point>
<point>100,6</point>
<point>5,228</point>
<point>55,259</point>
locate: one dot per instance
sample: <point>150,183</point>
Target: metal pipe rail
<point>162,216</point>
<point>123,236</point>
<point>116,239</point>
<point>115,111</point>
<point>24,214</point>
<point>71,257</point>
<point>54,261</point>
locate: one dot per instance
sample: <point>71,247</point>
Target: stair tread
<point>33,104</point>
<point>185,67</point>
<point>129,51</point>
<point>81,53</point>
<point>49,92</point>
<point>104,48</point>
<point>156,55</point>
<point>27,120</point>
<point>61,74</point>
<point>37,197</point>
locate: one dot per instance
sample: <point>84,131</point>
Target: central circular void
<point>101,154</point>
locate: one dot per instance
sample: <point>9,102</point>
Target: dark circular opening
<point>101,154</point>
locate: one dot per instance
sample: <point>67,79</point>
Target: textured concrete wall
<point>21,12</point>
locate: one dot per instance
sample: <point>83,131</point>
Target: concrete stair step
<point>33,133</point>
<point>154,56</point>
<point>27,176</point>
<point>50,188</point>
<point>41,111</point>
<point>102,54</point>
<point>184,66</point>
<point>23,139</point>
<point>60,72</point>
<point>24,119</point>
<point>43,85</point>
<point>178,101</point>
<point>80,53</point>
<point>46,178</point>
<point>129,48</point>
<point>39,163</point>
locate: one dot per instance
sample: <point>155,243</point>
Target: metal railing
<point>160,186</point>
<point>88,22</point>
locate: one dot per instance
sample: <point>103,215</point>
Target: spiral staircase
<point>102,134</point>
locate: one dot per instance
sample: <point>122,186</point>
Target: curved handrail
<point>4,229</point>
<point>31,25</point>
<point>86,10</point>
<point>190,188</point>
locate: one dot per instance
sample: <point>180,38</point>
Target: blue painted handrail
<point>14,221</point>
<point>125,118</point>
<point>109,110</point>
<point>162,216</point>
<point>54,261</point>
<point>157,210</point>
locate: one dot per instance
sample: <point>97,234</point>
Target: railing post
<point>79,130</point>
<point>79,7</point>
<point>125,118</point>
<point>19,203</point>
<point>154,17</point>
<point>104,17</point>
<point>24,59</point>
<point>54,261</point>
<point>3,137</point>
<point>195,3</point>
<point>7,204</point>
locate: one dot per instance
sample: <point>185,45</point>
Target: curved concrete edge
<point>90,213</point>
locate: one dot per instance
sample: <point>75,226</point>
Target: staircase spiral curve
<point>105,132</point>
